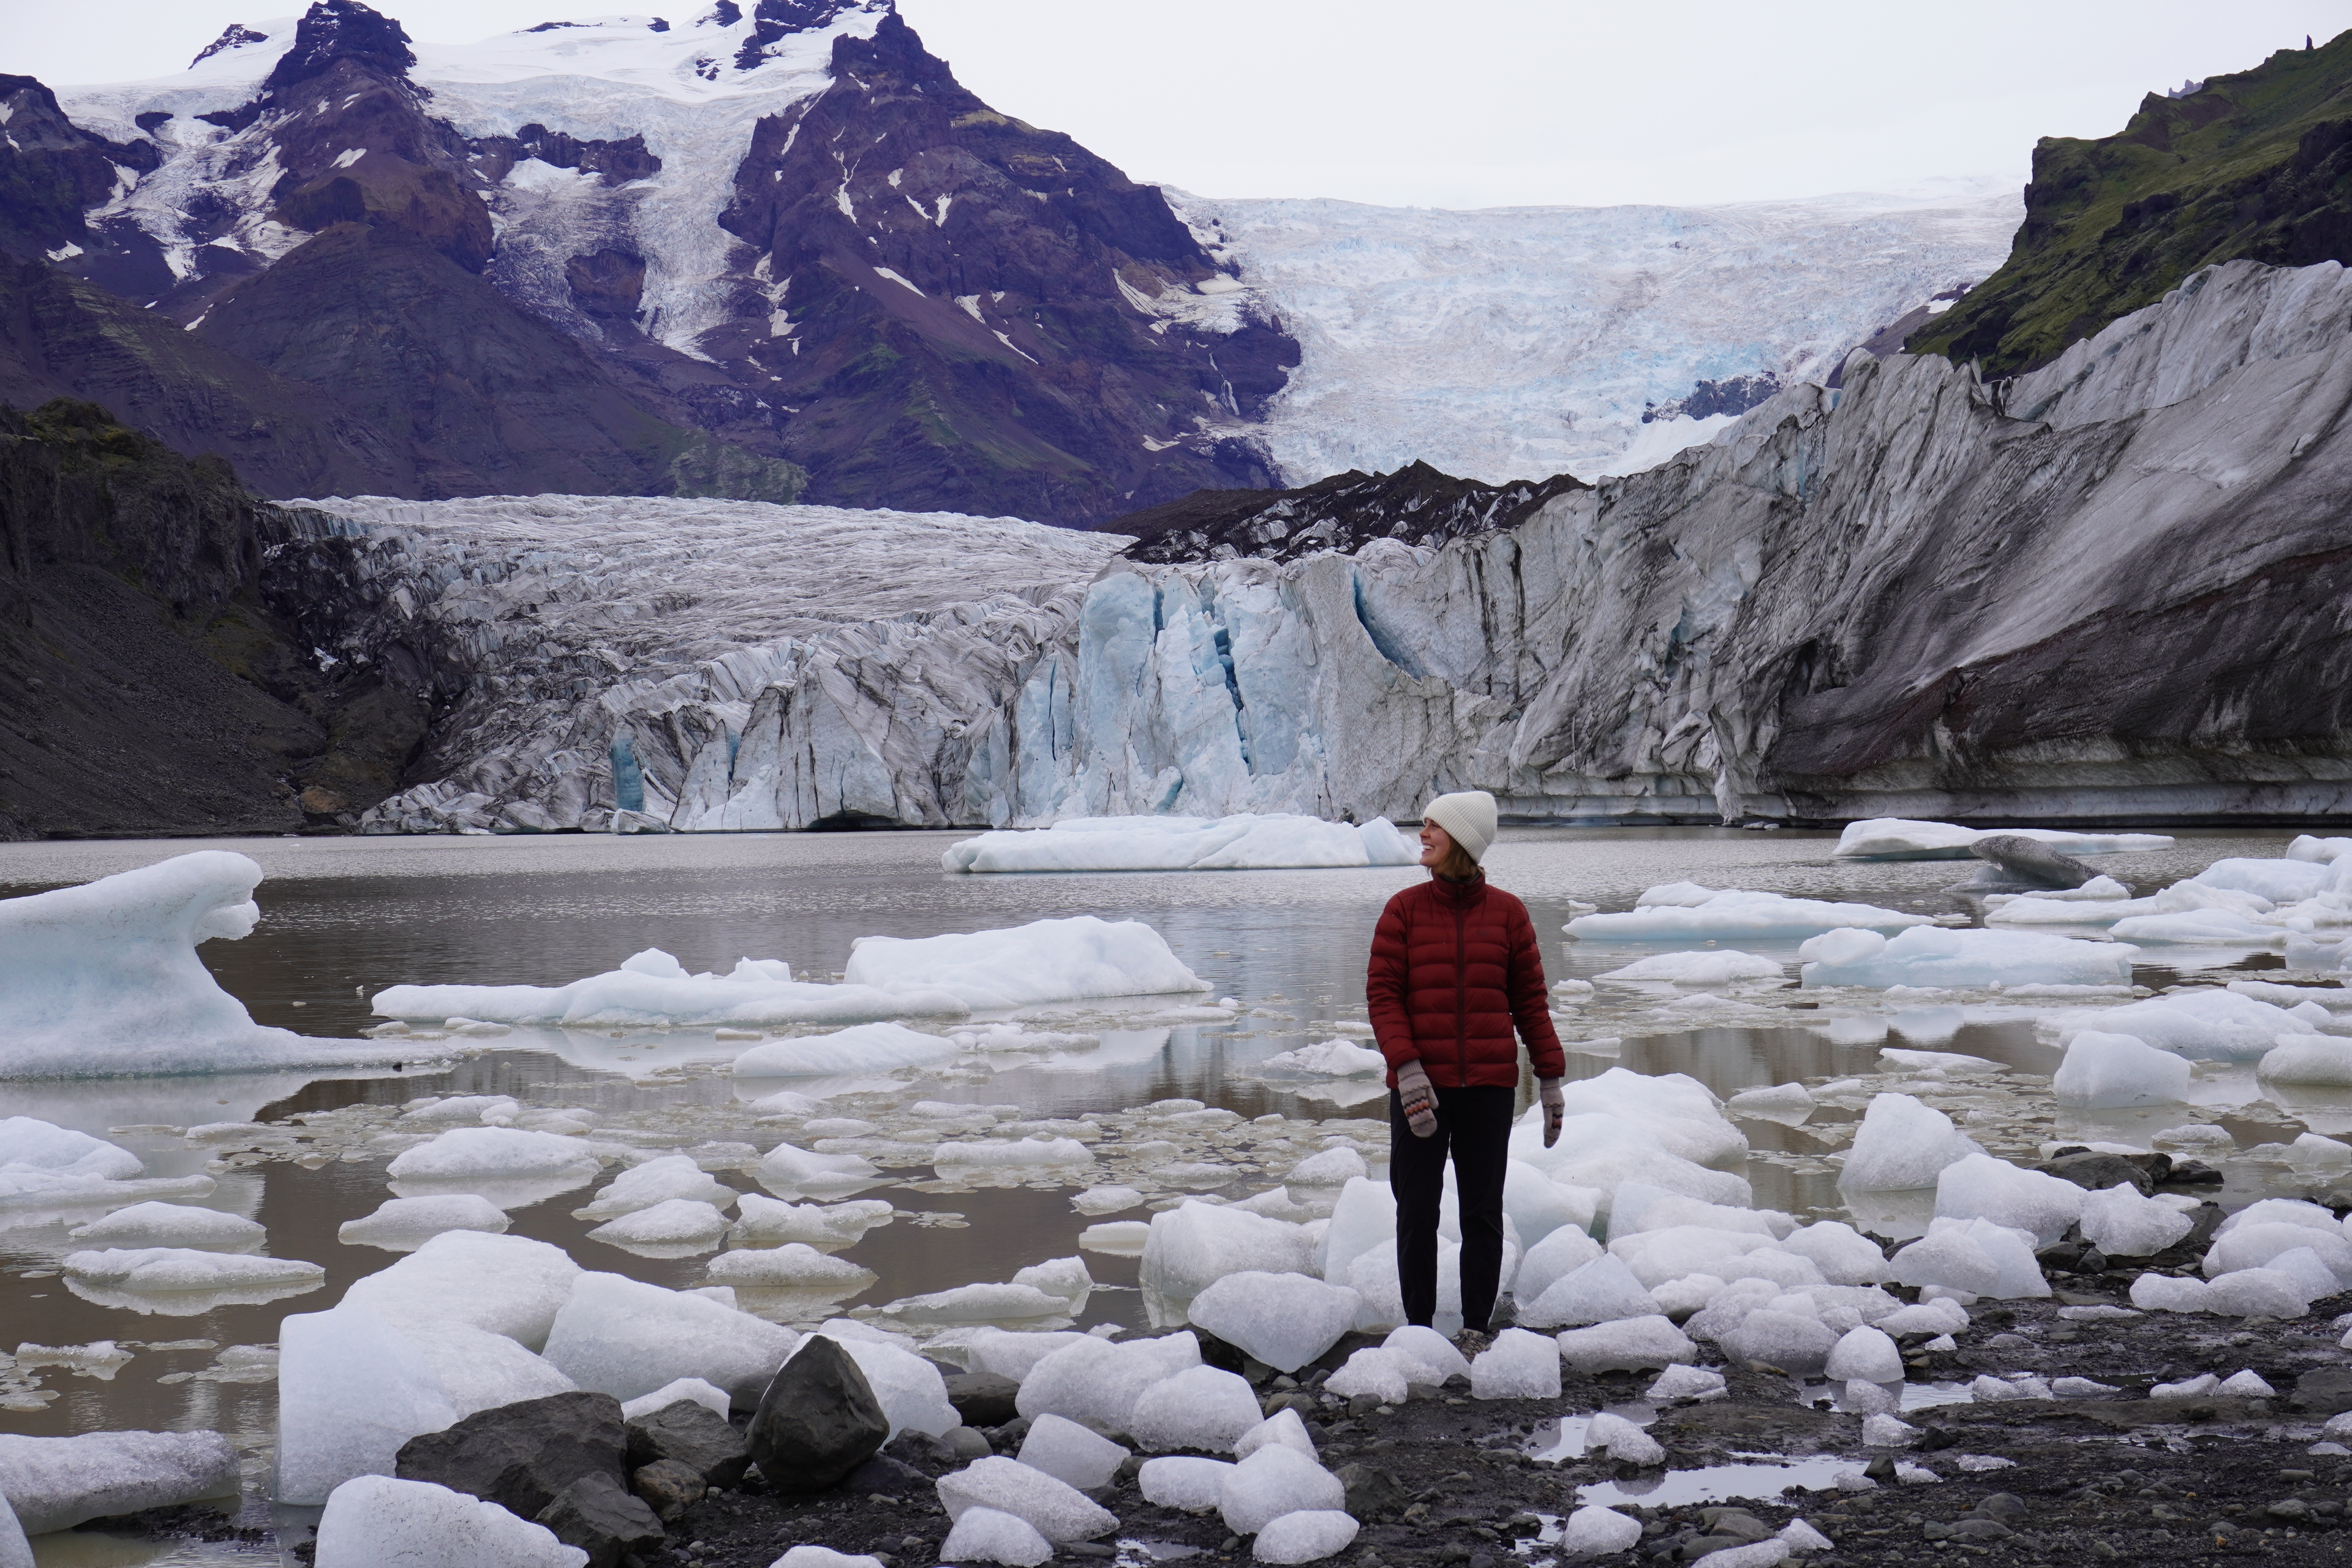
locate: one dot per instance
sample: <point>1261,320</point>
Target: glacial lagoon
<point>1284,951</point>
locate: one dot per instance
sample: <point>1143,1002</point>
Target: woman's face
<point>1434,842</point>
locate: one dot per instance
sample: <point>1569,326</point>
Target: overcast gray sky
<point>1465,103</point>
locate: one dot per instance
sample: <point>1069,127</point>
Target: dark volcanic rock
<point>886,1476</point>
<point>523,1456</point>
<point>1371,1492</point>
<point>667,1487</point>
<point>2100,1172</point>
<point>817,1421</point>
<point>694,1436</point>
<point>609,1523</point>
<point>135,602</point>
<point>1416,504</point>
<point>50,170</point>
<point>982,314</point>
<point>982,1398</point>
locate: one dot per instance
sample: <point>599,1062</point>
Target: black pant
<point>1474,1125</point>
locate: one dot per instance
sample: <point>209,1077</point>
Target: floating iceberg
<point>653,990</point>
<point>43,1166</point>
<point>2104,1072</point>
<point>1938,956</point>
<point>1327,1059</point>
<point>1247,842</point>
<point>2225,1025</point>
<point>1699,968</point>
<point>1737,913</point>
<point>146,1269</point>
<point>103,980</point>
<point>1902,1144</point>
<point>860,1048</point>
<point>1895,838</point>
<point>1046,961</point>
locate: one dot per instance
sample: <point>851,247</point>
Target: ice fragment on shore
<point>1053,1508</point>
<point>1430,1349</point>
<point>1095,1382</point>
<point>692,1390</point>
<point>1306,1535</point>
<point>1274,1482</point>
<point>2266,1292</point>
<point>1284,1427</point>
<point>824,1557</point>
<point>1554,1258</point>
<point>1604,1290</point>
<point>1593,1530</point>
<point>1283,1320</point>
<point>1976,1256</point>
<point>1623,1440</point>
<point>2122,1224</point>
<point>371,1521</point>
<point>2254,1245</point>
<point>55,1483</point>
<point>1982,1187</point>
<point>351,1391</point>
<point>1902,1144</point>
<point>1192,1484</point>
<point>1070,1452</point>
<point>1199,1407</point>
<point>1631,1344</point>
<point>626,1338</point>
<point>987,1535</point>
<point>1522,1366</point>
<point>509,1285</point>
<point>1887,1432</point>
<point>1194,1245</point>
<point>1374,1370</point>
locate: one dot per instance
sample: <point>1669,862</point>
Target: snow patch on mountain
<point>1517,342</point>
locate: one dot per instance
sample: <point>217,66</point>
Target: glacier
<point>1247,842</point>
<point>1758,628</point>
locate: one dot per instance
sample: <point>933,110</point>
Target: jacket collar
<point>1468,892</point>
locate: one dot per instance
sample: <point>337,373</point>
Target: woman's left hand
<point>1555,1109</point>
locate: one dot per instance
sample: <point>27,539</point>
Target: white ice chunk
<point>1070,1452</point>
<point>1951,957</point>
<point>658,1181</point>
<point>1199,1407</point>
<point>1736,915</point>
<point>153,1224</point>
<point>402,1225</point>
<point>479,1370</point>
<point>1433,1350</point>
<point>1283,1426</point>
<point>1682,1113</point>
<point>1885,1431</point>
<point>1554,1258</point>
<point>351,1391</point>
<point>1003,1352</point>
<point>168,1269</point>
<point>55,1483</point>
<point>2280,1211</point>
<point>1623,1439</point>
<point>1686,1383</point>
<point>2254,1247</point>
<point>1377,1370</point>
<point>1306,1535</point>
<point>2196,1388</point>
<point>1593,1530</point>
<point>1699,967</point>
<point>1327,1059</point>
<point>1902,1144</point>
<point>1866,1355</point>
<point>1046,961</point>
<point>913,1393</point>
<point>2247,1385</point>
<point>493,1154</point>
<point>1053,1508</point>
<point>974,1304</point>
<point>626,1338</point>
<point>861,1049</point>
<point>1194,1245</point>
<point>2200,1024</point>
<point>1976,1256</point>
<point>1518,1366</point>
<point>1601,1291</point>
<point>1797,1344</point>
<point>1843,1254</point>
<point>1283,1320</point>
<point>673,1222</point>
<point>1898,838</point>
<point>1192,1484</point>
<point>1245,842</point>
<point>1331,1168</point>
<point>2104,1072</point>
<point>1095,1382</point>
<point>373,1520</point>
<point>1272,1482</point>
<point>653,990</point>
<point>1982,1187</point>
<point>2310,1060</point>
<point>2122,1224</point>
<point>987,1535</point>
<point>2164,1293</point>
<point>509,1285</point>
<point>788,1168</point>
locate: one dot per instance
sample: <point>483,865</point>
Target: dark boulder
<point>522,1456</point>
<point>693,1436</point>
<point>2031,861</point>
<point>818,1420</point>
<point>2322,1390</point>
<point>885,1477</point>
<point>2100,1172</point>
<point>982,1398</point>
<point>595,1514</point>
<point>1371,1492</point>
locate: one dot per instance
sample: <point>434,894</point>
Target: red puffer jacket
<point>1454,966</point>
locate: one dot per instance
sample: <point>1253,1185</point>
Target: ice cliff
<point>2108,588</point>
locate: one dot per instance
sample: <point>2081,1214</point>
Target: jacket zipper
<point>1461,989</point>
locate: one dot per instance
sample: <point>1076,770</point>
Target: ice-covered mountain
<point>1520,342</point>
<point>2127,606</point>
<point>775,251</point>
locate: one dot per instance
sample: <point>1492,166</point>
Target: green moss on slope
<point>2256,165</point>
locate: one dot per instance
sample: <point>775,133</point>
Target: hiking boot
<point>1471,1342</point>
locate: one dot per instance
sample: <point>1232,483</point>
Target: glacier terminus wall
<point>2111,589</point>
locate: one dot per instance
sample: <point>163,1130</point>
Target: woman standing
<point>1455,967</point>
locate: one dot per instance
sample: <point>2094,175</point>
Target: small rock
<point>1981,1530</point>
<point>2001,1505</point>
<point>817,1421</point>
<point>522,1456</point>
<point>596,1515</point>
<point>2291,1510</point>
<point>669,1487</point>
<point>968,1444</point>
<point>885,1476</point>
<point>693,1436</point>
<point>982,1398</point>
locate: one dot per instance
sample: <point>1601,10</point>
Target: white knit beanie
<point>1467,816</point>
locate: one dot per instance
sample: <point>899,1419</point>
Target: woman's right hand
<point>1418,1099</point>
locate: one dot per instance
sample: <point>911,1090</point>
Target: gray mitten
<point>1419,1099</point>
